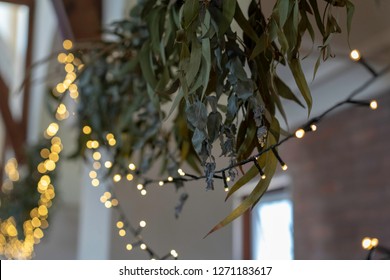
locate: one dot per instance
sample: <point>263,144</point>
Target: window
<point>272,227</point>
<point>266,232</point>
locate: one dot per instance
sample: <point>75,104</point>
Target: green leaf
<point>214,121</point>
<point>260,47</point>
<point>254,196</point>
<point>301,82</point>
<point>146,65</point>
<point>317,16</point>
<point>285,92</point>
<point>190,12</point>
<point>228,10</point>
<point>350,12</point>
<point>176,101</point>
<point>244,24</point>
<point>282,9</point>
<point>195,59</point>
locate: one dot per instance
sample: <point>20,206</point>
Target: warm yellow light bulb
<point>284,167</point>
<point>366,243</point>
<point>263,176</point>
<point>97,156</point>
<point>140,187</point>
<point>108,164</point>
<point>170,178</point>
<point>174,253</point>
<point>129,177</point>
<point>161,183</point>
<point>355,55</point>
<point>117,178</point>
<point>142,224</point>
<point>122,232</point>
<point>95,182</point>
<point>119,224</point>
<point>143,192</point>
<point>143,246</point>
<point>300,133</point>
<point>226,189</point>
<point>313,127</point>
<point>374,242</point>
<point>52,129</point>
<point>87,129</point>
<point>374,105</point>
<point>129,247</point>
<point>132,166</point>
<point>67,44</point>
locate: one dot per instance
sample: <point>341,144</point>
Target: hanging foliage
<point>178,80</point>
<point>177,85</point>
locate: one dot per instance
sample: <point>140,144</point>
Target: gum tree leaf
<point>214,121</point>
<point>195,59</point>
<point>190,12</point>
<point>285,92</point>
<point>197,115</point>
<point>301,82</point>
<point>228,10</point>
<point>350,12</point>
<point>146,65</point>
<point>197,140</point>
<point>209,173</point>
<point>254,196</point>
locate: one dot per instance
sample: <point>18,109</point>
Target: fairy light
<point>129,177</point>
<point>374,105</point>
<point>174,254</point>
<point>67,44</point>
<point>132,166</point>
<point>181,172</point>
<point>140,187</point>
<point>96,156</point>
<point>355,55</point>
<point>143,192</point>
<point>143,246</point>
<point>142,224</point>
<point>92,174</point>
<point>114,202</point>
<point>300,133</point>
<point>96,165</point>
<point>52,129</point>
<point>313,127</point>
<point>161,183</point>
<point>122,232</point>
<point>262,174</point>
<point>129,247</point>
<point>369,243</point>
<point>282,164</point>
<point>117,178</point>
<point>108,204</point>
<point>107,164</point>
<point>95,182</point>
<point>170,178</point>
<point>119,224</point>
<point>87,130</point>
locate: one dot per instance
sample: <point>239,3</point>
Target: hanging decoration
<point>175,80</point>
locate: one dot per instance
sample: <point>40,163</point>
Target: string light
<point>108,164</point>
<point>174,254</point>
<point>300,133</point>
<point>142,224</point>
<point>117,178</point>
<point>369,243</point>
<point>132,166</point>
<point>374,105</point>
<point>263,176</point>
<point>140,187</point>
<point>313,127</point>
<point>87,130</point>
<point>355,55</point>
<point>161,183</point>
<point>282,164</point>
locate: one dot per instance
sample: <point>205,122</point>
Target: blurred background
<point>335,192</point>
